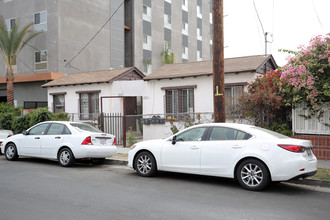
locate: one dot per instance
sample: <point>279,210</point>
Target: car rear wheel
<point>145,164</point>
<point>11,152</point>
<point>252,175</point>
<point>66,158</point>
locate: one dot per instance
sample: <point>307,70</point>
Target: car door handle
<point>194,148</point>
<point>57,137</point>
<point>236,146</point>
<point>37,138</point>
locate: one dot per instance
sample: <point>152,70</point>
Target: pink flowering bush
<point>306,77</point>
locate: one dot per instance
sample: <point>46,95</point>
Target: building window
<point>185,53</point>
<point>232,93</point>
<point>199,12</point>
<point>89,105</point>
<point>146,42</point>
<point>167,21</point>
<point>185,5</point>
<point>199,55</point>
<point>179,102</point>
<point>10,23</point>
<point>58,103</point>
<point>40,21</point>
<point>184,28</point>
<point>146,13</point>
<point>199,34</point>
<point>40,60</point>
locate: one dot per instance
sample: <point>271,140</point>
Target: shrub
<point>6,120</point>
<point>40,115</point>
<point>61,116</point>
<point>21,123</point>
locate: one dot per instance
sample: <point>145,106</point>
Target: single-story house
<point>182,88</point>
<point>86,94</point>
<point>28,92</point>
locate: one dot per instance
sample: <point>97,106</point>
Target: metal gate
<point>112,123</point>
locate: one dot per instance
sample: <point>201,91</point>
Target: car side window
<point>222,133</point>
<point>56,129</point>
<point>38,130</point>
<point>194,134</point>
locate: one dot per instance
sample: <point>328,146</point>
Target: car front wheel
<point>145,164</point>
<point>252,175</point>
<point>11,152</point>
<point>66,158</point>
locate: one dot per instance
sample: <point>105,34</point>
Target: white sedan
<point>64,141</point>
<point>252,155</point>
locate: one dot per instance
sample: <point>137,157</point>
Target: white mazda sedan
<point>64,141</point>
<point>252,155</point>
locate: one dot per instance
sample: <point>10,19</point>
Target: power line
<point>96,33</point>
<point>51,56</point>
<point>317,15</point>
<point>262,27</point>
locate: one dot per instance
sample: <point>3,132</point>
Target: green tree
<point>11,43</point>
<point>168,55</point>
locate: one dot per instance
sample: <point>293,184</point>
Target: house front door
<point>130,110</point>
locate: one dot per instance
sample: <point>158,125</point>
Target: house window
<point>232,93</point>
<point>89,104</point>
<point>40,21</point>
<point>10,23</point>
<point>40,60</point>
<point>59,103</point>
<point>179,101</point>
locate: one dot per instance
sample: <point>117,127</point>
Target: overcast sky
<point>292,23</point>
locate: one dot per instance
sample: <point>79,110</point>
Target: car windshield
<point>85,127</point>
<point>272,133</point>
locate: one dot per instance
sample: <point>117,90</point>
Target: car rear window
<point>85,127</point>
<point>272,133</point>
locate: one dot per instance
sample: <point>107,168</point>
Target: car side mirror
<point>174,140</point>
<point>24,132</point>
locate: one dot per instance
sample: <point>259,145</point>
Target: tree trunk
<point>10,85</point>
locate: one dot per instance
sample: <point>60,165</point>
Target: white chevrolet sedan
<point>252,155</point>
<point>64,141</point>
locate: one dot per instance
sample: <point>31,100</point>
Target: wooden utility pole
<point>218,63</point>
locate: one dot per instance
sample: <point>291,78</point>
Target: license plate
<point>309,152</point>
<point>103,141</point>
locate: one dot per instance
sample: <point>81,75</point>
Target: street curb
<point>307,181</point>
<point>111,161</point>
<point>311,182</point>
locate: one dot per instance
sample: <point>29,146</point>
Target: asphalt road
<point>40,189</point>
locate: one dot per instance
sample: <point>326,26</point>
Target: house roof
<point>34,77</point>
<point>103,76</point>
<point>201,68</point>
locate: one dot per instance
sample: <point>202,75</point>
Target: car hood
<point>150,143</point>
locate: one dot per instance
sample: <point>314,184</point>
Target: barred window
<point>179,101</point>
<point>89,105</point>
<point>232,93</point>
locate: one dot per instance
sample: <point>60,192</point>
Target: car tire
<point>98,161</point>
<point>11,152</point>
<point>145,164</point>
<point>252,175</point>
<point>66,157</point>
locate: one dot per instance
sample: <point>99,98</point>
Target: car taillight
<point>87,141</point>
<point>292,148</point>
<point>9,135</point>
<point>114,141</point>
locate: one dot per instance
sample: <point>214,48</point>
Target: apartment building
<point>85,35</point>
